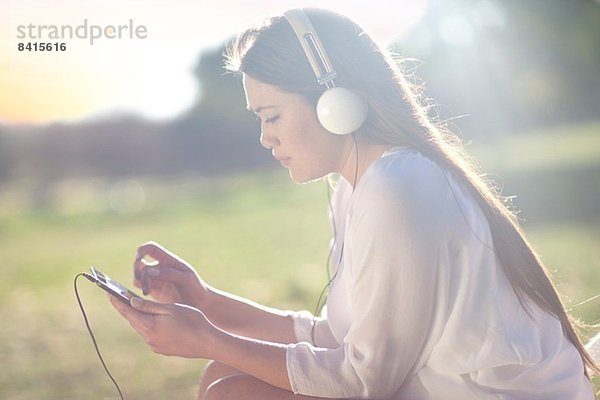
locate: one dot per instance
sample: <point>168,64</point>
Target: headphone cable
<point>87,324</point>
<point>319,307</point>
<point>330,279</point>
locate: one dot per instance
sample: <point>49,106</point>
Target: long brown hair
<point>398,116</point>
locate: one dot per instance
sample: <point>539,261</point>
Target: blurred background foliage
<point>495,69</point>
<point>521,76</point>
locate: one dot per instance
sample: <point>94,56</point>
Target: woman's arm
<point>184,331</point>
<point>170,279</point>
<point>243,317</point>
<point>261,359</point>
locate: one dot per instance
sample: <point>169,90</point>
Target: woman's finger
<point>163,260</point>
<point>139,264</point>
<point>138,320</point>
<point>149,249</point>
<point>159,275</point>
<point>150,307</point>
<point>146,285</point>
<point>157,252</point>
<point>161,255</point>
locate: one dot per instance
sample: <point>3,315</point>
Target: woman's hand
<point>170,329</point>
<point>168,278</point>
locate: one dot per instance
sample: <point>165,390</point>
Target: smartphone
<point>111,286</point>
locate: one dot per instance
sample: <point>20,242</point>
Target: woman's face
<point>289,127</point>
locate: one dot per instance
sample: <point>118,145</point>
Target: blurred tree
<point>509,65</point>
<point>218,133</point>
<point>6,154</point>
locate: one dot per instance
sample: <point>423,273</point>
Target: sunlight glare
<point>456,29</point>
<point>153,77</point>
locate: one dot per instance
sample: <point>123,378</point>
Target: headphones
<point>340,110</point>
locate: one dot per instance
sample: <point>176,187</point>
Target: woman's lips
<point>285,161</point>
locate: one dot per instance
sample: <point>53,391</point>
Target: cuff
<point>291,368</point>
<point>303,321</point>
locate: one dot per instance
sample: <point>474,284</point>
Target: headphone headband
<point>312,46</point>
<point>340,110</point>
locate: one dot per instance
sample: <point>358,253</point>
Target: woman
<point>436,294</point>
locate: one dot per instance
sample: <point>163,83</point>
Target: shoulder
<point>412,189</point>
<point>405,177</point>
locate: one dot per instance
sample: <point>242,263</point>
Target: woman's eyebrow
<point>259,109</point>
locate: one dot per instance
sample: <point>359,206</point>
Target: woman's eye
<point>271,120</point>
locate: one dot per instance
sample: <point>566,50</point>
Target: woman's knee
<point>230,387</point>
<point>214,371</point>
<point>246,387</point>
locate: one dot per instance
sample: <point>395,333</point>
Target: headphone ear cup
<point>341,111</point>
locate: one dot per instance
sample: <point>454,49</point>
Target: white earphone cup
<point>341,111</point>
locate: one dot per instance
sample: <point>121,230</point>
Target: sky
<point>148,70</point>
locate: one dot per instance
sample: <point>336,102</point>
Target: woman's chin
<point>304,178</point>
<point>295,178</point>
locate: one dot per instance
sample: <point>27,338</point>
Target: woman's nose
<point>268,139</point>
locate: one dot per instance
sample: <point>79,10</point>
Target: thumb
<point>148,307</point>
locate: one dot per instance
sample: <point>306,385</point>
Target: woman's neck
<point>366,154</point>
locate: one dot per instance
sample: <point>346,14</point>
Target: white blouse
<point>420,308</point>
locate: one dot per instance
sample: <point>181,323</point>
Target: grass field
<point>257,235</point>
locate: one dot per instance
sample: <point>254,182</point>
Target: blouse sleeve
<point>394,243</point>
<point>303,323</point>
